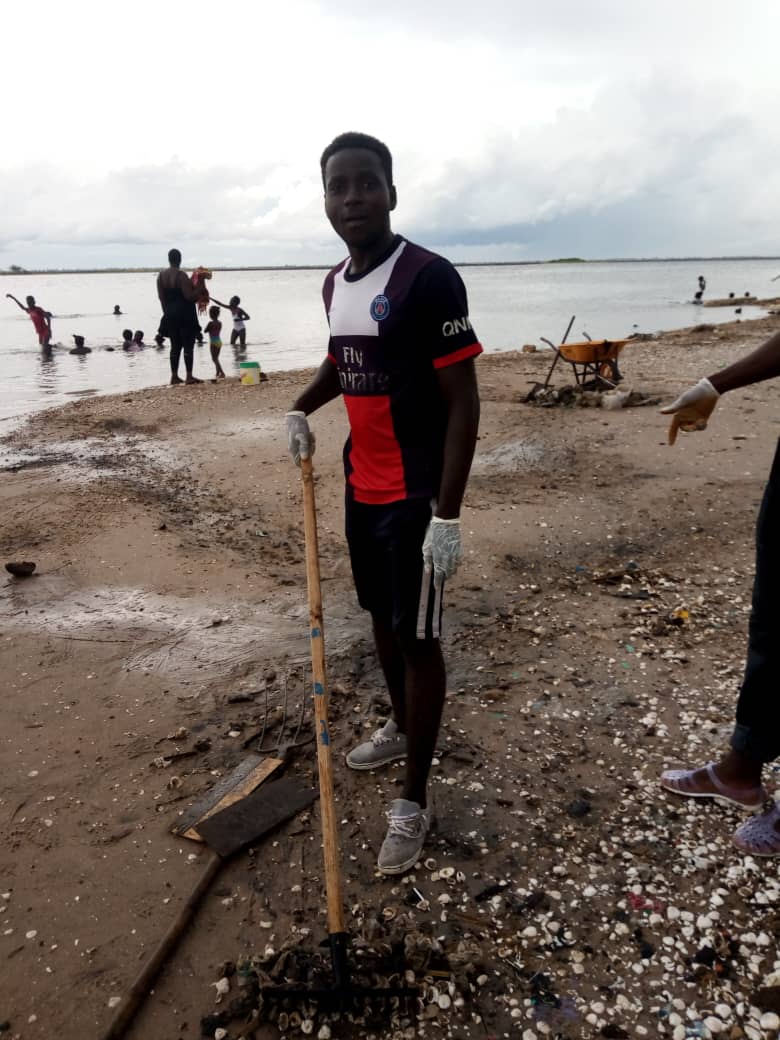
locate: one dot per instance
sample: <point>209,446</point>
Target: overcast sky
<point>520,130</point>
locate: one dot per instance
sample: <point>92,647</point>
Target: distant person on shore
<point>214,332</point>
<point>702,286</point>
<point>116,309</point>
<point>178,296</point>
<point>238,333</point>
<point>40,318</point>
<point>735,778</point>
<point>127,339</point>
<point>80,348</point>
<point>138,339</point>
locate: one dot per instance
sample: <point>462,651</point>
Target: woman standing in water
<point>180,321</point>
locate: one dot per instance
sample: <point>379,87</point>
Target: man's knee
<point>417,651</point>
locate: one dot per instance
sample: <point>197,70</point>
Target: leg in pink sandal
<point>705,783</point>
<point>759,836</point>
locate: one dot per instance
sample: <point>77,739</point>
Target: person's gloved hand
<point>441,549</point>
<point>692,409</point>
<point>300,439</point>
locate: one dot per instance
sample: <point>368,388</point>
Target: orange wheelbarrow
<point>593,361</point>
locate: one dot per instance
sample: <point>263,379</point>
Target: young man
<point>177,295</point>
<point>736,777</point>
<point>40,318</point>
<point>401,352</point>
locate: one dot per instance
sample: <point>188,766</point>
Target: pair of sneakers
<point>408,822</point>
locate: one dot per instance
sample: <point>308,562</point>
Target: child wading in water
<point>40,318</point>
<point>238,335</point>
<point>214,330</point>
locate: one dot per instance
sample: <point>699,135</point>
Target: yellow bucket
<point>250,372</point>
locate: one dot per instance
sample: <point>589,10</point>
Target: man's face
<point>358,199</point>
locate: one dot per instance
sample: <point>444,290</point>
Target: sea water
<point>509,305</point>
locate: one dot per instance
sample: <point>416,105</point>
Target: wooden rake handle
<point>330,839</point>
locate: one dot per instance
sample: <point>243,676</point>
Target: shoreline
<point>456,263</point>
<point>9,423</point>
<point>595,635</point>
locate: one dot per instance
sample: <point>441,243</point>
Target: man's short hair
<point>352,139</point>
<point>174,257</point>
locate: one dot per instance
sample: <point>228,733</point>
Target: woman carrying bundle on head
<point>178,295</point>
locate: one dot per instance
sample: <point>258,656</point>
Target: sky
<point>519,130</point>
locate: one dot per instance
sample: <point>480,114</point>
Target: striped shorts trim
<point>431,607</point>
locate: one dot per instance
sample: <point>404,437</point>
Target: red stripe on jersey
<point>375,456</point>
<point>458,355</point>
<point>332,359</point>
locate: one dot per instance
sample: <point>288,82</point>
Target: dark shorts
<point>385,548</point>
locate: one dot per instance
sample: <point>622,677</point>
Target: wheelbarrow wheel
<point>608,370</point>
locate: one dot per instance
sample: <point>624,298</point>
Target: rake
<point>341,994</point>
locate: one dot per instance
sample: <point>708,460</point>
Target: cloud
<point>596,129</point>
<point>658,168</point>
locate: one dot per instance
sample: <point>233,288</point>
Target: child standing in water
<point>40,318</point>
<point>214,330</point>
<point>238,335</point>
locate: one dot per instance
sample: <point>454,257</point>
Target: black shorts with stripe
<point>385,548</point>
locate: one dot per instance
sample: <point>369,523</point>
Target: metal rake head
<point>368,1001</point>
<point>342,995</point>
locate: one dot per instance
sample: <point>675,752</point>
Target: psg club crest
<point>380,308</point>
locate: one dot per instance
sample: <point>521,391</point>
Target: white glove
<point>441,549</point>
<point>300,439</point>
<point>692,409</point>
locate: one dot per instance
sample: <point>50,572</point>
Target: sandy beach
<point>596,633</point>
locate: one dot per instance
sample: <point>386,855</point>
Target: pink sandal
<point>757,836</point>
<point>681,781</point>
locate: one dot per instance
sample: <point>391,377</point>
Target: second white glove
<point>692,409</point>
<point>442,549</point>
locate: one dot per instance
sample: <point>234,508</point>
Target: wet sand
<point>596,633</point>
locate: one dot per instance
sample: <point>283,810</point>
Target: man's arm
<point>763,363</point>
<point>458,386</point>
<point>692,409</point>
<point>18,304</point>
<point>323,388</point>
<point>160,290</point>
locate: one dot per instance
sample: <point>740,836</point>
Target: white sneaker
<point>384,746</point>
<point>405,836</point>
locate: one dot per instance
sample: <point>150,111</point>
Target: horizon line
<point>7,272</point>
